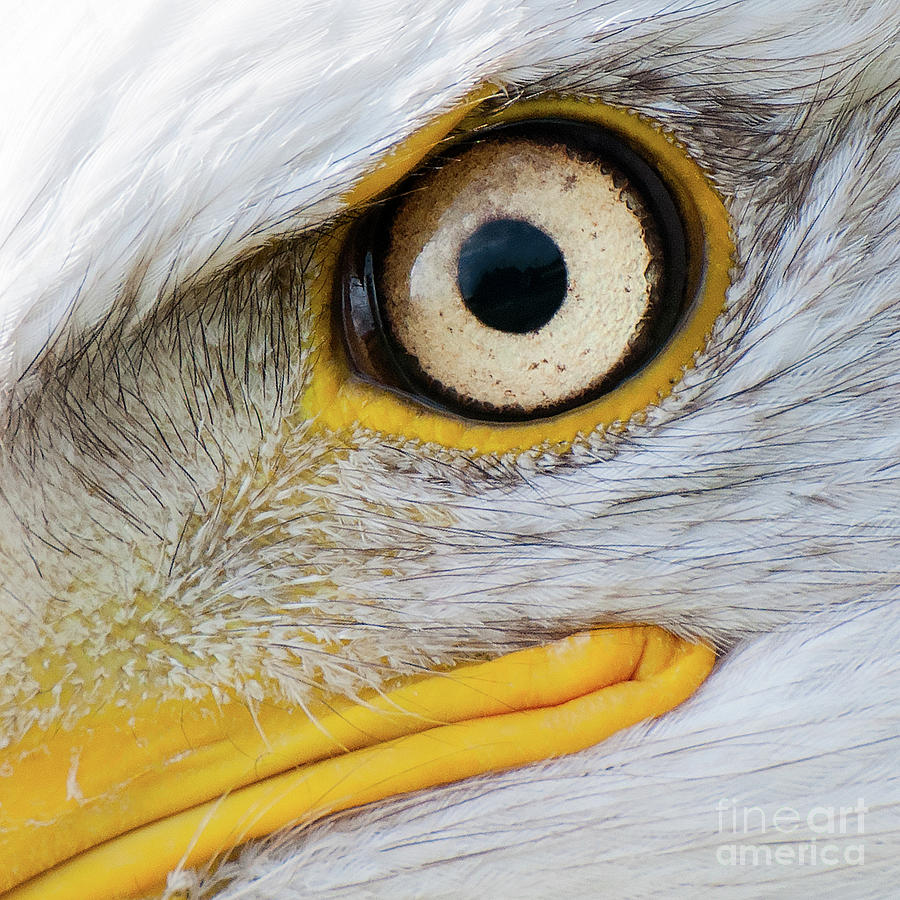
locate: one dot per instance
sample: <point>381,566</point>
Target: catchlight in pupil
<point>511,275</point>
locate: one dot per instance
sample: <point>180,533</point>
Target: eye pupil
<point>511,275</point>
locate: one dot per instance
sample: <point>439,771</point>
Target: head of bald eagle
<point>248,580</point>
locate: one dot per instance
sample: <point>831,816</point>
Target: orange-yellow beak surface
<point>107,808</point>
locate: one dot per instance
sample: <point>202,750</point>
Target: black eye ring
<point>376,355</point>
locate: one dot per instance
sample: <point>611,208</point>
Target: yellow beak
<point>109,807</point>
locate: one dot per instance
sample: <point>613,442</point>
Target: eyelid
<point>400,161</point>
<point>337,399</point>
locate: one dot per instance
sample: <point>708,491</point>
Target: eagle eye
<point>529,268</point>
<point>551,266</point>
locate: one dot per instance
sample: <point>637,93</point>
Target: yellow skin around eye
<point>336,399</point>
